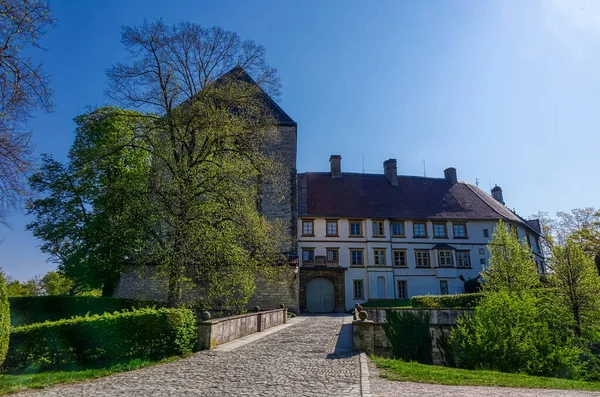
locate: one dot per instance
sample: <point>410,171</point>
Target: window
<point>356,257</point>
<point>359,290</point>
<point>528,239</point>
<point>332,228</point>
<point>308,228</point>
<point>460,230</point>
<point>419,229</point>
<point>400,258</point>
<point>439,230</point>
<point>402,290</point>
<point>356,228</point>
<point>332,254</point>
<point>422,258</point>
<point>379,256</point>
<point>378,230</point>
<point>482,261</point>
<point>443,287</point>
<point>308,254</point>
<point>398,229</point>
<point>463,259</point>
<point>486,233</point>
<point>537,244</point>
<point>481,251</point>
<point>445,258</point>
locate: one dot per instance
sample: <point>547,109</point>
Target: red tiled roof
<point>372,196</point>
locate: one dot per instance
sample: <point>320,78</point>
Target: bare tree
<point>23,88</point>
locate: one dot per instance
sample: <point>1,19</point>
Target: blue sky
<point>508,92</point>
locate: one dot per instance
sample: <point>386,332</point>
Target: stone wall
<point>212,333</point>
<point>369,336</point>
<point>142,282</point>
<point>280,202</point>
<point>272,295</point>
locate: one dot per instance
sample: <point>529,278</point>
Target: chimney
<point>335,163</point>
<point>497,194</point>
<point>450,175</point>
<point>390,170</point>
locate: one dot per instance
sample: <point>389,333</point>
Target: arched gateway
<point>320,295</point>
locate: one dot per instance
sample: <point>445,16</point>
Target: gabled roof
<point>240,74</point>
<point>372,196</point>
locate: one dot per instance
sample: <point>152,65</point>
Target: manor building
<point>388,236</point>
<point>356,237</point>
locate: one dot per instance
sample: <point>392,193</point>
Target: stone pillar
<point>284,315</point>
<point>362,336</point>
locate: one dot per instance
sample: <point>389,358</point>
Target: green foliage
<point>458,301</point>
<point>31,287</point>
<point>511,266</point>
<point>409,335</point>
<point>516,333</point>
<point>109,338</point>
<point>578,284</point>
<point>4,318</point>
<point>90,212</point>
<point>387,303</point>
<point>55,283</point>
<point>29,310</point>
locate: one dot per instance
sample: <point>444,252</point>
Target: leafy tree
<point>31,287</point>
<point>207,144</point>
<point>578,283</point>
<point>90,212</point>
<point>516,333</point>
<point>23,88</point>
<point>511,267</point>
<point>55,283</point>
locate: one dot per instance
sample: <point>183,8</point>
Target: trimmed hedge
<point>409,335</point>
<point>110,338</point>
<point>458,301</point>
<point>37,309</point>
<point>4,318</point>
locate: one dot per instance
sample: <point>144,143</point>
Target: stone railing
<point>368,333</point>
<point>212,333</point>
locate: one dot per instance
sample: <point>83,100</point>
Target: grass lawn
<point>388,303</point>
<point>10,383</point>
<point>413,372</point>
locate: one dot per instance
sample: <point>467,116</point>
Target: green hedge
<point>409,335</point>
<point>108,338</point>
<point>458,301</point>
<point>37,309</point>
<point>4,318</point>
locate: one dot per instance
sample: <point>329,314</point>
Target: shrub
<point>4,318</point>
<point>37,309</point>
<point>108,338</point>
<point>458,301</point>
<point>516,333</point>
<point>409,335</point>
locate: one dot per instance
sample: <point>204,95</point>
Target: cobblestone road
<point>296,361</point>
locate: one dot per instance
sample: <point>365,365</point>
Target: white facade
<point>379,276</point>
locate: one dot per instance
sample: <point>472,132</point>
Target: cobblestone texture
<point>381,387</point>
<point>296,361</point>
